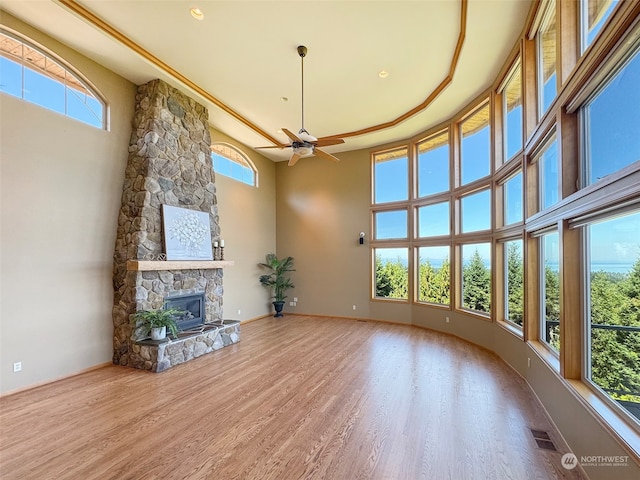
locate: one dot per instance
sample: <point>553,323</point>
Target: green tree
<point>552,305</point>
<point>392,279</point>
<point>515,283</point>
<point>476,285</point>
<point>434,283</point>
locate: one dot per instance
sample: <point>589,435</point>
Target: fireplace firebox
<point>192,304</point>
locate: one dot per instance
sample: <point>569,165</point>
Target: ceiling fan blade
<point>273,146</point>
<point>327,141</point>
<point>294,159</point>
<point>291,135</point>
<point>328,156</point>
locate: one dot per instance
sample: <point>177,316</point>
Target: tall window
<point>392,273</point>
<point>546,46</point>
<point>512,199</point>
<point>550,288</point>
<point>476,211</point>
<point>512,113</point>
<point>390,224</point>
<point>613,265</point>
<point>611,123</point>
<point>433,164</point>
<point>548,174</point>
<point>391,176</point>
<point>231,162</point>
<point>514,282</point>
<point>476,277</point>
<point>434,275</point>
<point>594,14</point>
<point>27,72</point>
<point>433,220</point>
<point>475,161</point>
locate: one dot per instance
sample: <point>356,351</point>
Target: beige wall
<point>322,206</point>
<point>248,227</point>
<point>61,182</point>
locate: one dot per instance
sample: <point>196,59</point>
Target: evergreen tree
<point>515,283</point>
<point>476,285</point>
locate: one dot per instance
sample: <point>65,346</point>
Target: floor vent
<point>543,440</point>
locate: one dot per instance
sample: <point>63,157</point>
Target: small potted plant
<point>157,321</point>
<point>278,280</point>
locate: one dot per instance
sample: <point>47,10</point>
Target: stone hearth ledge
<point>158,357</point>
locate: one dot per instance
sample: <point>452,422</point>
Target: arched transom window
<point>231,162</point>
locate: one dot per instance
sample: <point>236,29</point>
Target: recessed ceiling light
<point>280,131</point>
<point>284,99</point>
<point>197,13</point>
<point>383,74</point>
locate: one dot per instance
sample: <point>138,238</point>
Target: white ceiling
<point>244,54</point>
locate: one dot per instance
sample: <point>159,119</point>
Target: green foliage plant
<point>278,280</point>
<point>158,318</point>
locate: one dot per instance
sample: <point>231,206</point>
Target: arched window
<point>231,162</point>
<point>30,73</point>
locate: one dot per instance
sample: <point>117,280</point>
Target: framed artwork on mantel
<point>187,234</point>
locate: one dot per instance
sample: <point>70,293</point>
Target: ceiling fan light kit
<point>304,144</point>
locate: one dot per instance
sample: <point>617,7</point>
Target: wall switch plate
<point>295,299</point>
<point>354,307</point>
<point>446,319</point>
<point>17,366</point>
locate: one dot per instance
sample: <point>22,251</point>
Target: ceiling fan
<point>304,144</point>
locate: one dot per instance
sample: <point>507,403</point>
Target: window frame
<point>245,161</point>
<point>67,70</point>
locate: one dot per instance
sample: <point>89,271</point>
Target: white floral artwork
<point>187,234</point>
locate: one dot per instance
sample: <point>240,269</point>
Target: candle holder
<point>221,253</point>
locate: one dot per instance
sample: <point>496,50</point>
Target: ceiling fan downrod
<point>302,51</point>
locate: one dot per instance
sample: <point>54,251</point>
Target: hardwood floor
<point>297,398</point>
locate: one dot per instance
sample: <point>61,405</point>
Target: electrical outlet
<point>354,307</point>
<point>17,367</point>
<point>446,319</point>
<point>239,311</point>
<point>295,299</point>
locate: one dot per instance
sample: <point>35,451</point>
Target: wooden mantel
<point>155,265</point>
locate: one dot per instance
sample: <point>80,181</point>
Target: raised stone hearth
<point>161,355</point>
<point>169,163</point>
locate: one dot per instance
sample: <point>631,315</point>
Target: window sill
<point>511,328</point>
<point>546,355</point>
<point>608,417</point>
<point>475,314</point>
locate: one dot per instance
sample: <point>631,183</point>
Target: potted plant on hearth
<point>278,280</point>
<point>157,321</point>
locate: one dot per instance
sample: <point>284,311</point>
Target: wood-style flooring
<point>298,398</point>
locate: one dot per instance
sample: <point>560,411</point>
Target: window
<point>433,165</point>
<point>512,113</point>
<point>475,155</point>
<point>548,174</point>
<point>514,282</point>
<point>546,48</point>
<point>613,324</point>
<point>550,290</point>
<point>390,224</point>
<point>476,277</point>
<point>231,162</point>
<point>611,123</point>
<point>434,220</point>
<point>27,72</point>
<point>476,211</point>
<point>594,14</point>
<point>434,276</point>
<point>391,176</point>
<point>512,191</point>
<point>392,273</point>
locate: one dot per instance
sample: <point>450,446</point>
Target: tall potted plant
<point>278,280</point>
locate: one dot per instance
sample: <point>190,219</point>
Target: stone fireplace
<point>169,163</point>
